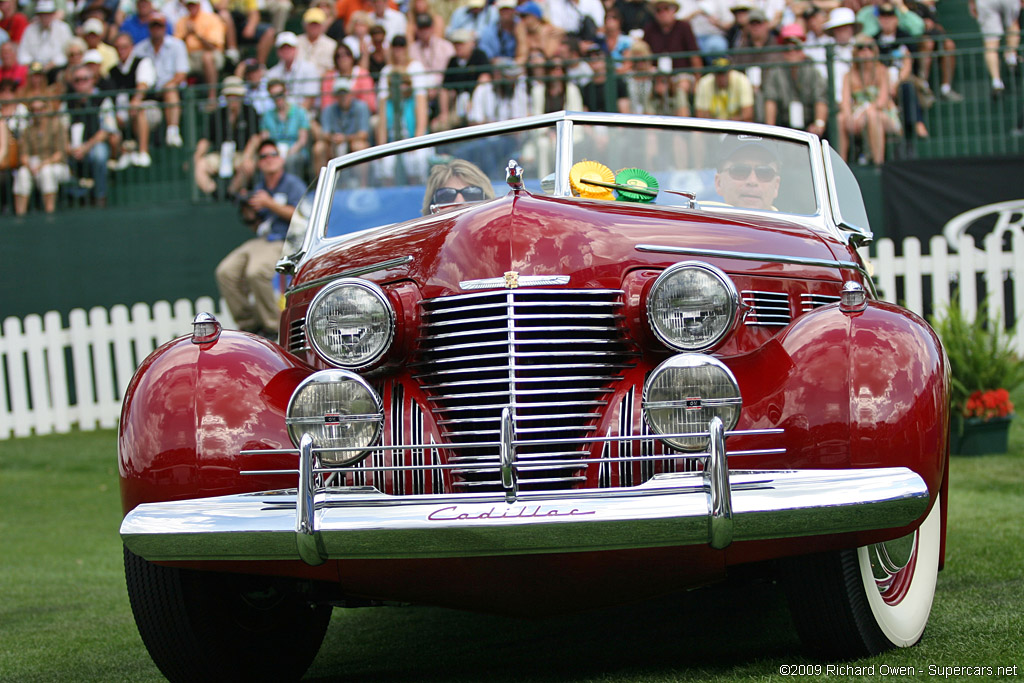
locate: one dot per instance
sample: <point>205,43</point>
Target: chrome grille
<point>766,308</point>
<point>552,356</point>
<point>296,341</point>
<point>808,302</point>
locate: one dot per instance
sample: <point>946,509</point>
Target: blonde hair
<point>75,42</point>
<point>466,171</point>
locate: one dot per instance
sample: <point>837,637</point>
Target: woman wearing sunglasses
<point>748,177</point>
<point>867,107</point>
<point>455,182</point>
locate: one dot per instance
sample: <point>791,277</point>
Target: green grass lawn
<point>64,612</point>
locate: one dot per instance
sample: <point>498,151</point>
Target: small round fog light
<point>684,393</point>
<point>338,409</point>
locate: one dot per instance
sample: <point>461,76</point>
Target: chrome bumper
<point>715,507</point>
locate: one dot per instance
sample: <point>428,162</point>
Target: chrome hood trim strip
<point>352,272</point>
<point>750,256</point>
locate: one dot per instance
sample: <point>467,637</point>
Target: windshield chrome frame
<point>564,122</point>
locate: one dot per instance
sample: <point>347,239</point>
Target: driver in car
<point>455,182</point>
<point>748,176</point>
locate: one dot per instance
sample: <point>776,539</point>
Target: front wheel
<point>861,602</point>
<point>204,626</point>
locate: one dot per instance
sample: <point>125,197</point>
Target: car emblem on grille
<point>513,280</point>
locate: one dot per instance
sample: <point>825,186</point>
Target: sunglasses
<point>269,155</point>
<point>277,95</point>
<point>84,79</point>
<point>447,195</point>
<point>742,172</point>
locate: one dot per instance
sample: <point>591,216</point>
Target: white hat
<point>92,57</point>
<point>93,25</point>
<point>286,38</point>
<point>462,35</point>
<point>46,7</point>
<point>342,84</point>
<point>842,16</point>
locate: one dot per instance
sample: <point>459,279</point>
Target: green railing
<point>977,126</point>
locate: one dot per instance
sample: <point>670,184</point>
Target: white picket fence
<point>54,376</point>
<point>44,393</point>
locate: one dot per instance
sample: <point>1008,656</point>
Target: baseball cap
<point>93,25</point>
<point>750,148</point>
<point>757,16</point>
<point>158,18</point>
<point>424,20</point>
<point>505,4</point>
<point>314,15</point>
<point>476,4</point>
<point>399,41</point>
<point>46,7</point>
<point>92,57</point>
<point>342,84</point>
<point>886,10</point>
<point>531,7</point>
<point>233,85</point>
<point>720,63</point>
<point>286,38</point>
<point>461,35</point>
<point>792,33</point>
<point>841,16</point>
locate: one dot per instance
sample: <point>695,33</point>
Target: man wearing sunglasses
<point>748,177</point>
<point>250,267</point>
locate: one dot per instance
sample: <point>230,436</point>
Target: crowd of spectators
<point>107,76</point>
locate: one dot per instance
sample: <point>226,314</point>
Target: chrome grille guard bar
<point>716,507</point>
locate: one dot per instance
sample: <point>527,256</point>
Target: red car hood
<point>593,242</point>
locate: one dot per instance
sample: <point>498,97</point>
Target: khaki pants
<point>249,269</point>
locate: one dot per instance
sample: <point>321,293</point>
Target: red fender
<point>191,408</point>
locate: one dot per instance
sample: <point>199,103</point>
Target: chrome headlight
<point>338,409</point>
<point>351,323</point>
<point>684,393</point>
<point>692,306</point>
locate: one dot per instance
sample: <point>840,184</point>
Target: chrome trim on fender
<point>667,510</point>
<point>751,256</point>
<point>352,272</point>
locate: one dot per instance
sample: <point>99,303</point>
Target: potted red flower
<point>985,368</point>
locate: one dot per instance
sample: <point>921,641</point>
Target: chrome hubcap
<point>890,558</point>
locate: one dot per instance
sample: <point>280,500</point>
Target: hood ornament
<point>514,175</point>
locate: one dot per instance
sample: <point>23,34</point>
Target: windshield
<point>662,166</point>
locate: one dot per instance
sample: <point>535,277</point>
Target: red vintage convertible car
<point>619,353</point>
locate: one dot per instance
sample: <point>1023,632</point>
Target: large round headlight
<point>692,306</point>
<point>338,409</point>
<point>684,393</point>
<point>351,323</point>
